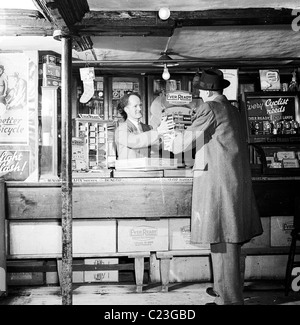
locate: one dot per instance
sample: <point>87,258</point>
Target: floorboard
<point>257,293</point>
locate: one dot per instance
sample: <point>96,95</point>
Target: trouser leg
<point>243,268</point>
<point>227,273</point>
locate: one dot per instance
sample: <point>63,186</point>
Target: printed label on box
<point>20,276</point>
<point>180,235</point>
<point>101,276</point>
<point>51,71</point>
<point>142,235</point>
<point>50,82</point>
<point>78,154</point>
<point>281,228</point>
<point>25,279</point>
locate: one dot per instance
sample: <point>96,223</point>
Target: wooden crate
<point>45,237</point>
<point>94,236</point>
<point>34,238</point>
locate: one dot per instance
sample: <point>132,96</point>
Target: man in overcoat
<point>224,211</point>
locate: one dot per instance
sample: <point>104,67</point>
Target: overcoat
<point>223,204</point>
<point>131,143</point>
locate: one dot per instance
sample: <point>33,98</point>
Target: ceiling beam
<point>33,23</point>
<point>74,17</point>
<point>234,17</point>
<point>64,14</point>
<point>148,66</point>
<point>108,23</point>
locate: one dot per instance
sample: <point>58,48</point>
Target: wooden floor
<point>256,293</point>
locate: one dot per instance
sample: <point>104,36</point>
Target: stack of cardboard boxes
<point>107,237</point>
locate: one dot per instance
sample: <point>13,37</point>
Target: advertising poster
<point>269,79</point>
<point>231,92</point>
<point>14,115</point>
<point>262,108</point>
<point>14,164</point>
<point>272,116</point>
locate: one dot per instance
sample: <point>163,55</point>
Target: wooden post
<point>3,287</point>
<point>139,272</point>
<point>165,272</point>
<point>66,167</point>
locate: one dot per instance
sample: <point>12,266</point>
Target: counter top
<point>134,179</point>
<point>136,197</point>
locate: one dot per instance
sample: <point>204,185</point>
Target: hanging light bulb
<point>166,73</point>
<point>164,13</point>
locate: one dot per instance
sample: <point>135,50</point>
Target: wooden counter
<point>104,198</point>
<point>137,198</point>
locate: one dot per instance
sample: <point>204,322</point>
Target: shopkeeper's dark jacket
<point>133,144</point>
<point>223,204</point>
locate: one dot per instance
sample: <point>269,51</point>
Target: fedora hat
<point>212,79</point>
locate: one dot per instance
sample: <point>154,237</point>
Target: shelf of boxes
<point>98,142</point>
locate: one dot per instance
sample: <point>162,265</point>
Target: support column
<point>3,286</point>
<point>66,167</point>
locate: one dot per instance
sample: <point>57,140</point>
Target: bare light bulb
<point>166,73</point>
<point>164,13</point>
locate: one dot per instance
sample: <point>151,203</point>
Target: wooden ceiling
<point>129,34</point>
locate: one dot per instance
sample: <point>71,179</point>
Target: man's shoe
<point>211,304</point>
<point>210,291</point>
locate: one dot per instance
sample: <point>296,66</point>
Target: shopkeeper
<point>133,138</point>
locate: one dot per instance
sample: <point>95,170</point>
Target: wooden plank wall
<point>110,199</point>
<point>134,198</point>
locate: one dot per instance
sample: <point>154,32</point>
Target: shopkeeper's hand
<point>165,126</point>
